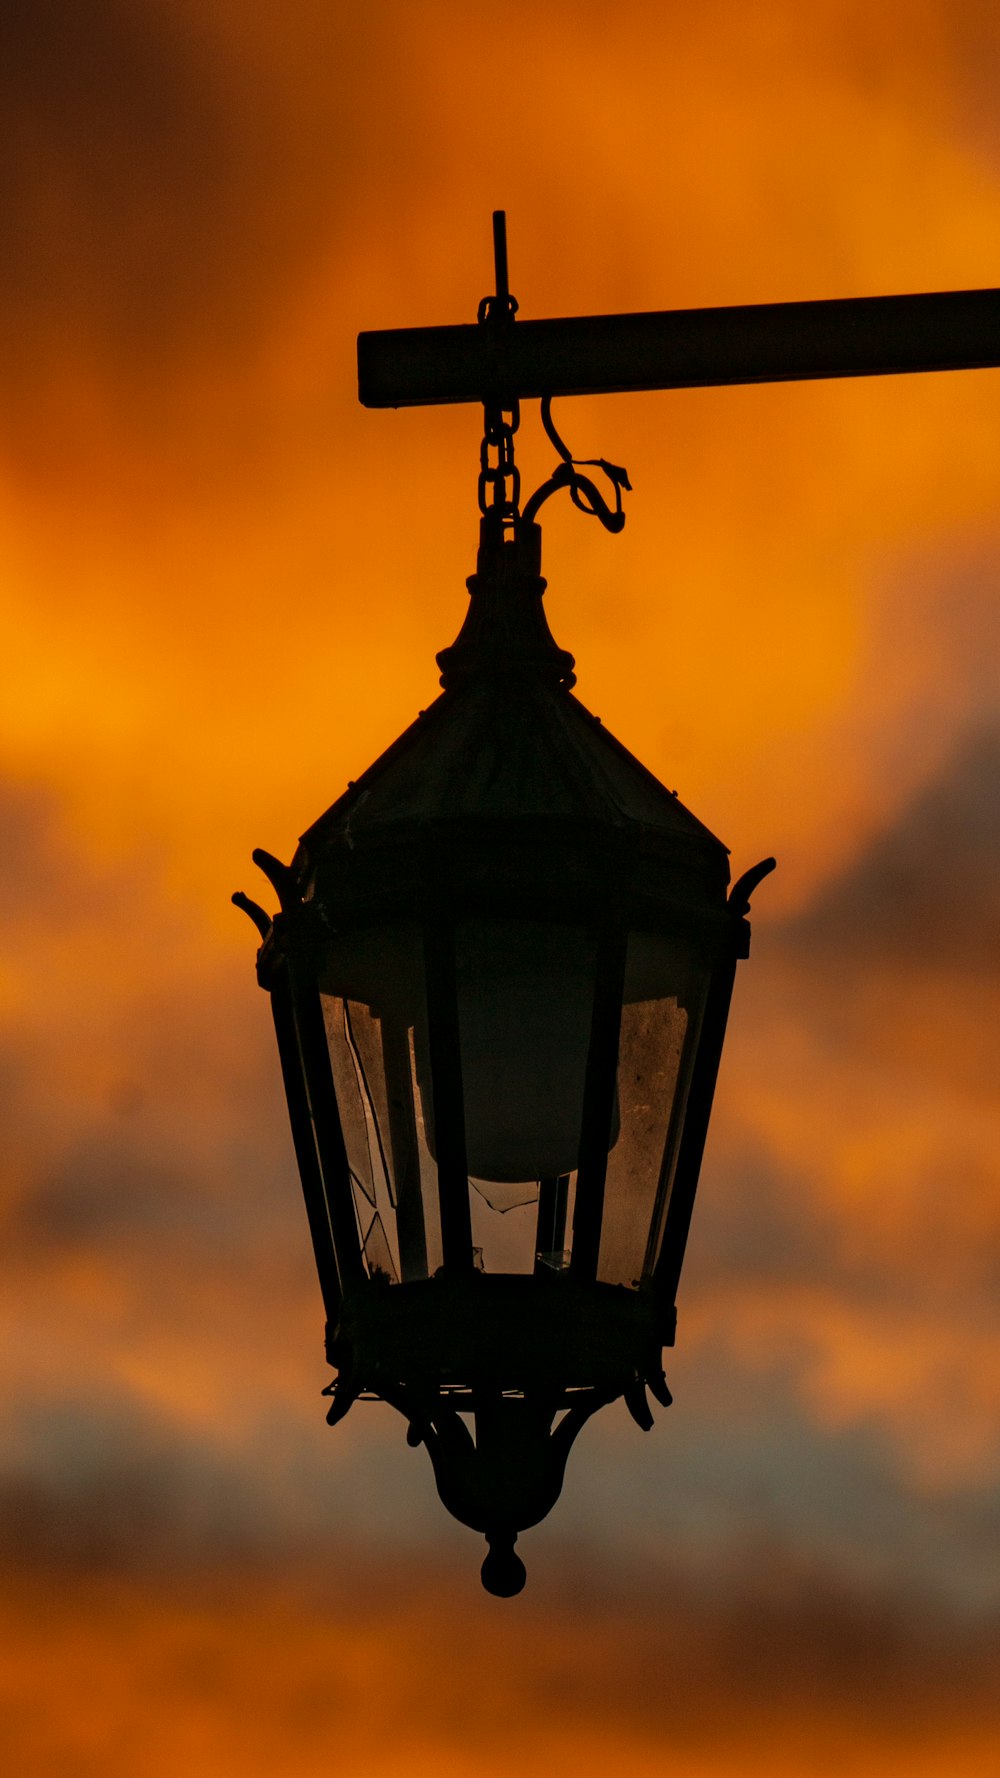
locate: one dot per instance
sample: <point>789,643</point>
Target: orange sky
<point>223,585</point>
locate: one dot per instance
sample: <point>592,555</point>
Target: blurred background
<point>223,585</point>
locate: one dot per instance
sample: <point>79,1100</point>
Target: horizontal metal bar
<point>680,349</point>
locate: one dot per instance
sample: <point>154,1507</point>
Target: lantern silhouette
<point>500,976</point>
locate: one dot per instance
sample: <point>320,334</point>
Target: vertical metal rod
<point>545,1226</point>
<point>304,1142</point>
<point>559,1213</point>
<point>550,1236</point>
<point>598,1102</point>
<point>500,255</point>
<point>449,1105</point>
<point>405,1155</point>
<point>315,1049</point>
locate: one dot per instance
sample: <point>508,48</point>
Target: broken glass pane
<point>376,1253</point>
<point>354,1041</point>
<point>649,1059</point>
<point>364,1035</point>
<point>506,1197</point>
<point>350,1099</point>
<point>665,987</point>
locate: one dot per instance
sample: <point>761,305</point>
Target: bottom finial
<point>503,1573</point>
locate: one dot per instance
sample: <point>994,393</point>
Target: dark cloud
<point>644,1656</point>
<point>974,32</point>
<point>926,893</point>
<point>110,1193</point>
<point>118,185</point>
<point>755,1225</point>
<point>106,1487</point>
<point>169,175</point>
<point>48,883</point>
<point>144,1120</point>
<point>34,861</point>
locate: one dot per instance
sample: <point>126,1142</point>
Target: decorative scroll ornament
<point>582,491</point>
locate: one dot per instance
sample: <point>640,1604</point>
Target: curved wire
<point>586,497</point>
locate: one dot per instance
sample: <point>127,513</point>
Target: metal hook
<point>261,920</point>
<point>743,888</point>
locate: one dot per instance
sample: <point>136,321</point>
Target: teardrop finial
<point>503,1572</point>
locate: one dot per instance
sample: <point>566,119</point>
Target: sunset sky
<point>223,586</point>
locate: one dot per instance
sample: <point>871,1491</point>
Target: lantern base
<point>449,1337</point>
<point>508,1476</point>
<point>496,1375</point>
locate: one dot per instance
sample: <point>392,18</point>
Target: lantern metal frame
<point>529,1356</point>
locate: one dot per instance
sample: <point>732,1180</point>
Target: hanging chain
<point>499,477</point>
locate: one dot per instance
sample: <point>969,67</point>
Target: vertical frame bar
<point>550,1232</point>
<point>449,1105</point>
<point>598,1101</point>
<point>699,1110</point>
<point>311,1028</point>
<point>304,1142</point>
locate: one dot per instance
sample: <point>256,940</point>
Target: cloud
<point>850,1224</point>
<point>925,896</point>
<point>384,1670</point>
<point>158,192</point>
<point>123,191</point>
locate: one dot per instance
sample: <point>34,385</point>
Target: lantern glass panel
<point>374,1007</point>
<point>525,998</point>
<point>665,993</point>
<point>523,1228</point>
<point>354,1036</point>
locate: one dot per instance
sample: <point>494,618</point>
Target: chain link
<point>499,480</point>
<point>499,476</point>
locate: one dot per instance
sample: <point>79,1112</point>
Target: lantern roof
<point>507,741</point>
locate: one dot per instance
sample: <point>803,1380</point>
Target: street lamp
<point>500,978</point>
<point>502,963</point>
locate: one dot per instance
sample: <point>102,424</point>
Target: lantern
<point>500,976</point>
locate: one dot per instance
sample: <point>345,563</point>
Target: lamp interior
<point>525,997</point>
